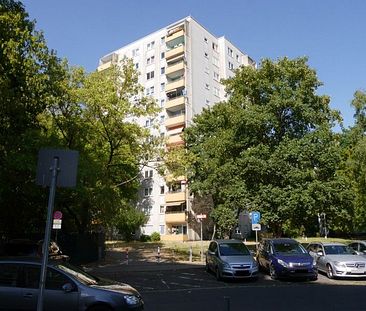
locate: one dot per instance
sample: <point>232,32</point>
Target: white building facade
<point>180,66</point>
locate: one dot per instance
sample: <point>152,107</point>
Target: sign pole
<point>46,240</point>
<point>201,243</point>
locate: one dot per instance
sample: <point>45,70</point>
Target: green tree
<point>98,117</point>
<point>29,74</point>
<point>270,148</point>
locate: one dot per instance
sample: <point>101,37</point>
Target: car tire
<point>207,268</point>
<point>330,273</point>
<point>272,272</point>
<point>218,274</point>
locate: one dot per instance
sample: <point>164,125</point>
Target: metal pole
<point>46,241</point>
<point>201,243</point>
<point>256,239</point>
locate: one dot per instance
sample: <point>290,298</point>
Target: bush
<point>145,238</point>
<point>155,236</point>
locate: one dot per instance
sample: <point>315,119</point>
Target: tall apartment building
<point>180,66</point>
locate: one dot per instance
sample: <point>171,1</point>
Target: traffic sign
<point>56,224</point>
<point>256,217</point>
<point>201,216</point>
<point>256,227</point>
<point>57,215</point>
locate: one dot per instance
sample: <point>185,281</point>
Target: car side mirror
<point>67,287</point>
<point>320,253</point>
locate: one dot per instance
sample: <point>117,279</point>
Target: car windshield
<point>78,273</point>
<point>233,249</point>
<point>338,250</point>
<point>289,248</point>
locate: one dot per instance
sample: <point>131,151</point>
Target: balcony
<point>175,218</point>
<point>179,83</point>
<point>175,140</point>
<point>177,68</point>
<point>175,104</point>
<point>105,66</point>
<point>174,34</point>
<point>175,121</point>
<point>170,178</point>
<point>174,52</point>
<point>178,197</point>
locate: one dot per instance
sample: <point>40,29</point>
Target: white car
<point>337,260</point>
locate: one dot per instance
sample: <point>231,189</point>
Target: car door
<point>55,298</point>
<point>211,255</point>
<point>266,255</point>
<point>321,260</point>
<point>10,292</point>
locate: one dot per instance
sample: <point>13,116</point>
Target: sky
<point>331,33</point>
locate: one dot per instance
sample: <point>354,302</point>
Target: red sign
<point>57,215</point>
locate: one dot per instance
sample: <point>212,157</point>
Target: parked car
<point>67,288</point>
<point>359,247</point>
<point>286,258</point>
<point>230,259</point>
<point>337,260</point>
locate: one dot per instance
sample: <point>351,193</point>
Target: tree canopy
<point>270,147</point>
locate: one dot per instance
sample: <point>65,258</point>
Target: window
<point>137,66</point>
<point>215,47</point>
<point>231,65</point>
<point>205,39</point>
<point>237,58</point>
<point>216,91</point>
<point>162,229</point>
<point>215,61</point>
<point>147,210</point>
<point>230,52</point>
<point>148,191</point>
<point>162,55</point>
<point>149,174</point>
<point>150,75</point>
<point>162,86</point>
<point>162,103</point>
<point>150,45</point>
<point>206,54</point>
<point>8,275</point>
<point>162,40</point>
<point>162,189</point>
<point>216,76</point>
<point>147,124</point>
<point>207,86</point>
<point>149,91</point>
<point>135,52</point>
<point>150,60</point>
<point>162,70</point>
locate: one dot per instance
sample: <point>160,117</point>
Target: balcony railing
<point>173,34</point>
<point>175,85</point>
<point>175,121</point>
<point>174,52</point>
<point>175,104</point>
<point>175,140</point>
<point>174,68</point>
<point>175,218</point>
<point>178,197</point>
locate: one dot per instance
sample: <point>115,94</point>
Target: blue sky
<point>331,33</point>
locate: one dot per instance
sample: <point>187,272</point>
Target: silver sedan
<point>337,260</point>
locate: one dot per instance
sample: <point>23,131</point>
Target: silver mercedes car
<point>337,260</point>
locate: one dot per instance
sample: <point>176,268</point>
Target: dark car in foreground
<point>231,259</point>
<point>284,257</point>
<point>338,260</point>
<point>67,288</point>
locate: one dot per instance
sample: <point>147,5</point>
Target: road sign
<point>256,227</point>
<point>56,224</point>
<point>57,215</point>
<point>256,217</point>
<point>201,216</point>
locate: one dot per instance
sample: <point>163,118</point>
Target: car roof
<point>228,241</point>
<point>25,259</point>
<point>328,243</point>
<point>281,240</point>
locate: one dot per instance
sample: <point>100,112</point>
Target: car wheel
<point>330,273</point>
<point>272,272</point>
<point>218,274</point>
<point>207,268</point>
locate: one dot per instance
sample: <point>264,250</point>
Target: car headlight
<point>283,263</point>
<point>339,264</point>
<point>132,300</point>
<point>225,265</point>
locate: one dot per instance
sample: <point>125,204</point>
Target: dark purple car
<point>286,258</point>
